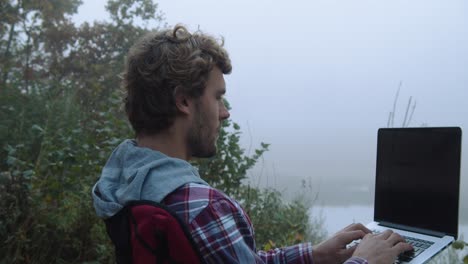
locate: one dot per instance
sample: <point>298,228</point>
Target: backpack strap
<point>118,230</point>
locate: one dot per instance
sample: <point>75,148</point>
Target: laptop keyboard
<point>419,246</point>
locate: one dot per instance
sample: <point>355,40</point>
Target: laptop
<point>417,187</point>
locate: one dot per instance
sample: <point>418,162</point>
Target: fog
<point>316,79</point>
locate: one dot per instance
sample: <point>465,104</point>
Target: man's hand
<point>381,248</point>
<point>334,249</point>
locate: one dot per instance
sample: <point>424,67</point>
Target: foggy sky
<point>316,79</point>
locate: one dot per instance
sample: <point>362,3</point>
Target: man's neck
<point>166,142</point>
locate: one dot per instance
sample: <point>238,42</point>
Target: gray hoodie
<point>135,173</point>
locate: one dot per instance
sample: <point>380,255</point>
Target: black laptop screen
<point>418,175</point>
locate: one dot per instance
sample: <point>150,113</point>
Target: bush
<point>278,223</point>
<point>51,163</point>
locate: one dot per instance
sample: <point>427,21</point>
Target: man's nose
<point>224,113</point>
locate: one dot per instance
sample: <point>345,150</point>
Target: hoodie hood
<point>136,173</point>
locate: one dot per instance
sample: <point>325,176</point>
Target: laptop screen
<point>418,177</point>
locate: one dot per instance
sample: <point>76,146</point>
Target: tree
<point>26,28</point>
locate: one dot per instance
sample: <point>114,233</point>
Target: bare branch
<point>395,102</point>
<point>389,119</point>
<point>412,111</point>
<point>406,112</point>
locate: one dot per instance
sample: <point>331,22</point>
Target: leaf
<point>458,244</point>
<point>38,128</point>
<point>5,177</point>
<point>11,160</point>
<point>27,174</point>
<point>11,150</point>
<point>465,259</point>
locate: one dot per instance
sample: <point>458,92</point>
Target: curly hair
<point>162,61</point>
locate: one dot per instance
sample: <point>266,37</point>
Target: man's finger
<point>347,237</point>
<point>347,253</point>
<point>395,238</point>
<point>352,248</point>
<point>402,247</point>
<point>386,234</point>
<point>357,226</point>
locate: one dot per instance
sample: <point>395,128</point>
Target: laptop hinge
<point>412,229</point>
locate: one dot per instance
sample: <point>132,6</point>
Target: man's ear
<point>182,100</point>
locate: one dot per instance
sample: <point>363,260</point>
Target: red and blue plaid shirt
<point>223,230</point>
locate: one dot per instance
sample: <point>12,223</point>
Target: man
<point>174,88</point>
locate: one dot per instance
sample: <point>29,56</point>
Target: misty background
<point>316,79</point>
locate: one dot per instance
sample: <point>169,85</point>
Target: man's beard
<point>199,139</point>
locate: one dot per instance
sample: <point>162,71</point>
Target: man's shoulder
<point>191,192</point>
<point>192,198</point>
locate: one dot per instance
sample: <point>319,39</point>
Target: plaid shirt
<point>223,230</point>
